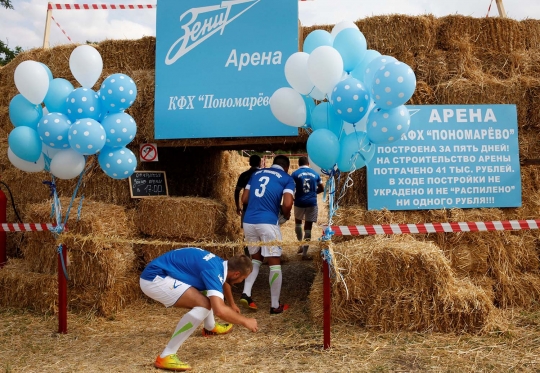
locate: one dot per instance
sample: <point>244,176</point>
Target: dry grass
<point>129,341</point>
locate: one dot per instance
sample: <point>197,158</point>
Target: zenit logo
<point>201,23</point>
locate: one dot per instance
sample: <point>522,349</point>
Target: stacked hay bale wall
<point>103,276</point>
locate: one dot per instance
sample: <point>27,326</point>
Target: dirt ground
<point>290,342</point>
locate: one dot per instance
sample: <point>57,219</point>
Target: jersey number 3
<point>264,180</point>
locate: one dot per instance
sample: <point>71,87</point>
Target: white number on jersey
<point>264,181</point>
<point>207,257</point>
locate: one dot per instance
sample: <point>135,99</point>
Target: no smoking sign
<point>148,152</point>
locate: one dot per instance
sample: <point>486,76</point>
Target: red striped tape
<point>26,227</point>
<point>363,230</point>
<point>99,6</point>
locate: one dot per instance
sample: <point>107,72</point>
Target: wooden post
<point>62,292</point>
<point>47,26</point>
<point>300,36</point>
<point>326,305</point>
<point>500,7</point>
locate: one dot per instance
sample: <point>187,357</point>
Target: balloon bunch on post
<point>350,97</point>
<point>58,126</point>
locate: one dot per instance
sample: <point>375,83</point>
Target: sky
<point>24,26</point>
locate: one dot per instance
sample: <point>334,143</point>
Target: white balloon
<point>86,65</point>
<point>288,107</point>
<point>325,68</point>
<point>49,151</point>
<point>67,164</point>
<point>296,73</point>
<point>32,81</point>
<point>317,94</point>
<point>340,26</point>
<point>23,165</point>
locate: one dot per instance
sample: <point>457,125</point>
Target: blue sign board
<point>217,65</point>
<point>463,156</point>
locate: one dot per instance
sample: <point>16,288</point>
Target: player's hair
<point>254,160</point>
<point>241,263</point>
<point>282,160</point>
<point>303,161</point>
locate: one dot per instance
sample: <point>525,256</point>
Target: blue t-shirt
<point>266,188</point>
<point>196,267</point>
<point>306,180</point>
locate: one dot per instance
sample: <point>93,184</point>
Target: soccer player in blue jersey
<point>265,192</point>
<point>308,185</point>
<point>177,279</point>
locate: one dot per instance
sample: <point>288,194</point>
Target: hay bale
<point>518,290</point>
<point>21,288</point>
<point>529,144</point>
<point>128,56</point>
<point>530,29</point>
<point>396,34</point>
<point>532,88</point>
<point>402,284</point>
<point>180,217</point>
<point>497,34</point>
<point>142,109</point>
<point>95,262</point>
<point>486,90</point>
<point>106,302</point>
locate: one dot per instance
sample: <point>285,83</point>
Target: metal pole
<point>326,305</point>
<point>47,26</point>
<point>62,292</point>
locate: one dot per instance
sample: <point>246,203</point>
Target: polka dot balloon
<point>120,129</point>
<point>373,66</point>
<point>117,93</point>
<point>393,85</point>
<point>350,100</point>
<point>386,126</point>
<point>86,136</point>
<point>53,130</point>
<point>83,103</point>
<point>118,163</point>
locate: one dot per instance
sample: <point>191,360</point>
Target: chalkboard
<point>148,184</point>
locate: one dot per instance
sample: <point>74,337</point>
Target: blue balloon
<point>83,103</point>
<point>86,136</point>
<point>117,93</point>
<point>59,91</point>
<point>359,70</point>
<point>24,113</point>
<point>310,105</point>
<point>323,148</point>
<point>316,39</point>
<point>25,143</point>
<point>355,146</point>
<point>386,126</point>
<point>120,129</point>
<point>350,100</point>
<point>53,130</point>
<point>393,85</point>
<point>118,163</point>
<point>47,70</point>
<point>325,117</point>
<point>352,46</point>
<point>374,66</point>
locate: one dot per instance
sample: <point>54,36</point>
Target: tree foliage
<point>6,4</point>
<point>7,54</point>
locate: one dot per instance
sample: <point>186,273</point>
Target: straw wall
<point>401,284</point>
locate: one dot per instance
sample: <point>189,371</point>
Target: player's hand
<point>239,211</point>
<point>251,324</point>
<point>235,308</point>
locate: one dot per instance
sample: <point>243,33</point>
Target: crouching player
<point>177,278</point>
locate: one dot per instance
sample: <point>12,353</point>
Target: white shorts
<point>165,290</point>
<point>306,213</point>
<point>263,233</point>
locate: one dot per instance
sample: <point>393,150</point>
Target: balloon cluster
<point>58,126</point>
<point>355,87</point>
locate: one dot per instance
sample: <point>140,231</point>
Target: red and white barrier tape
<point>99,6</point>
<point>27,227</point>
<point>363,230</point>
<point>61,29</point>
